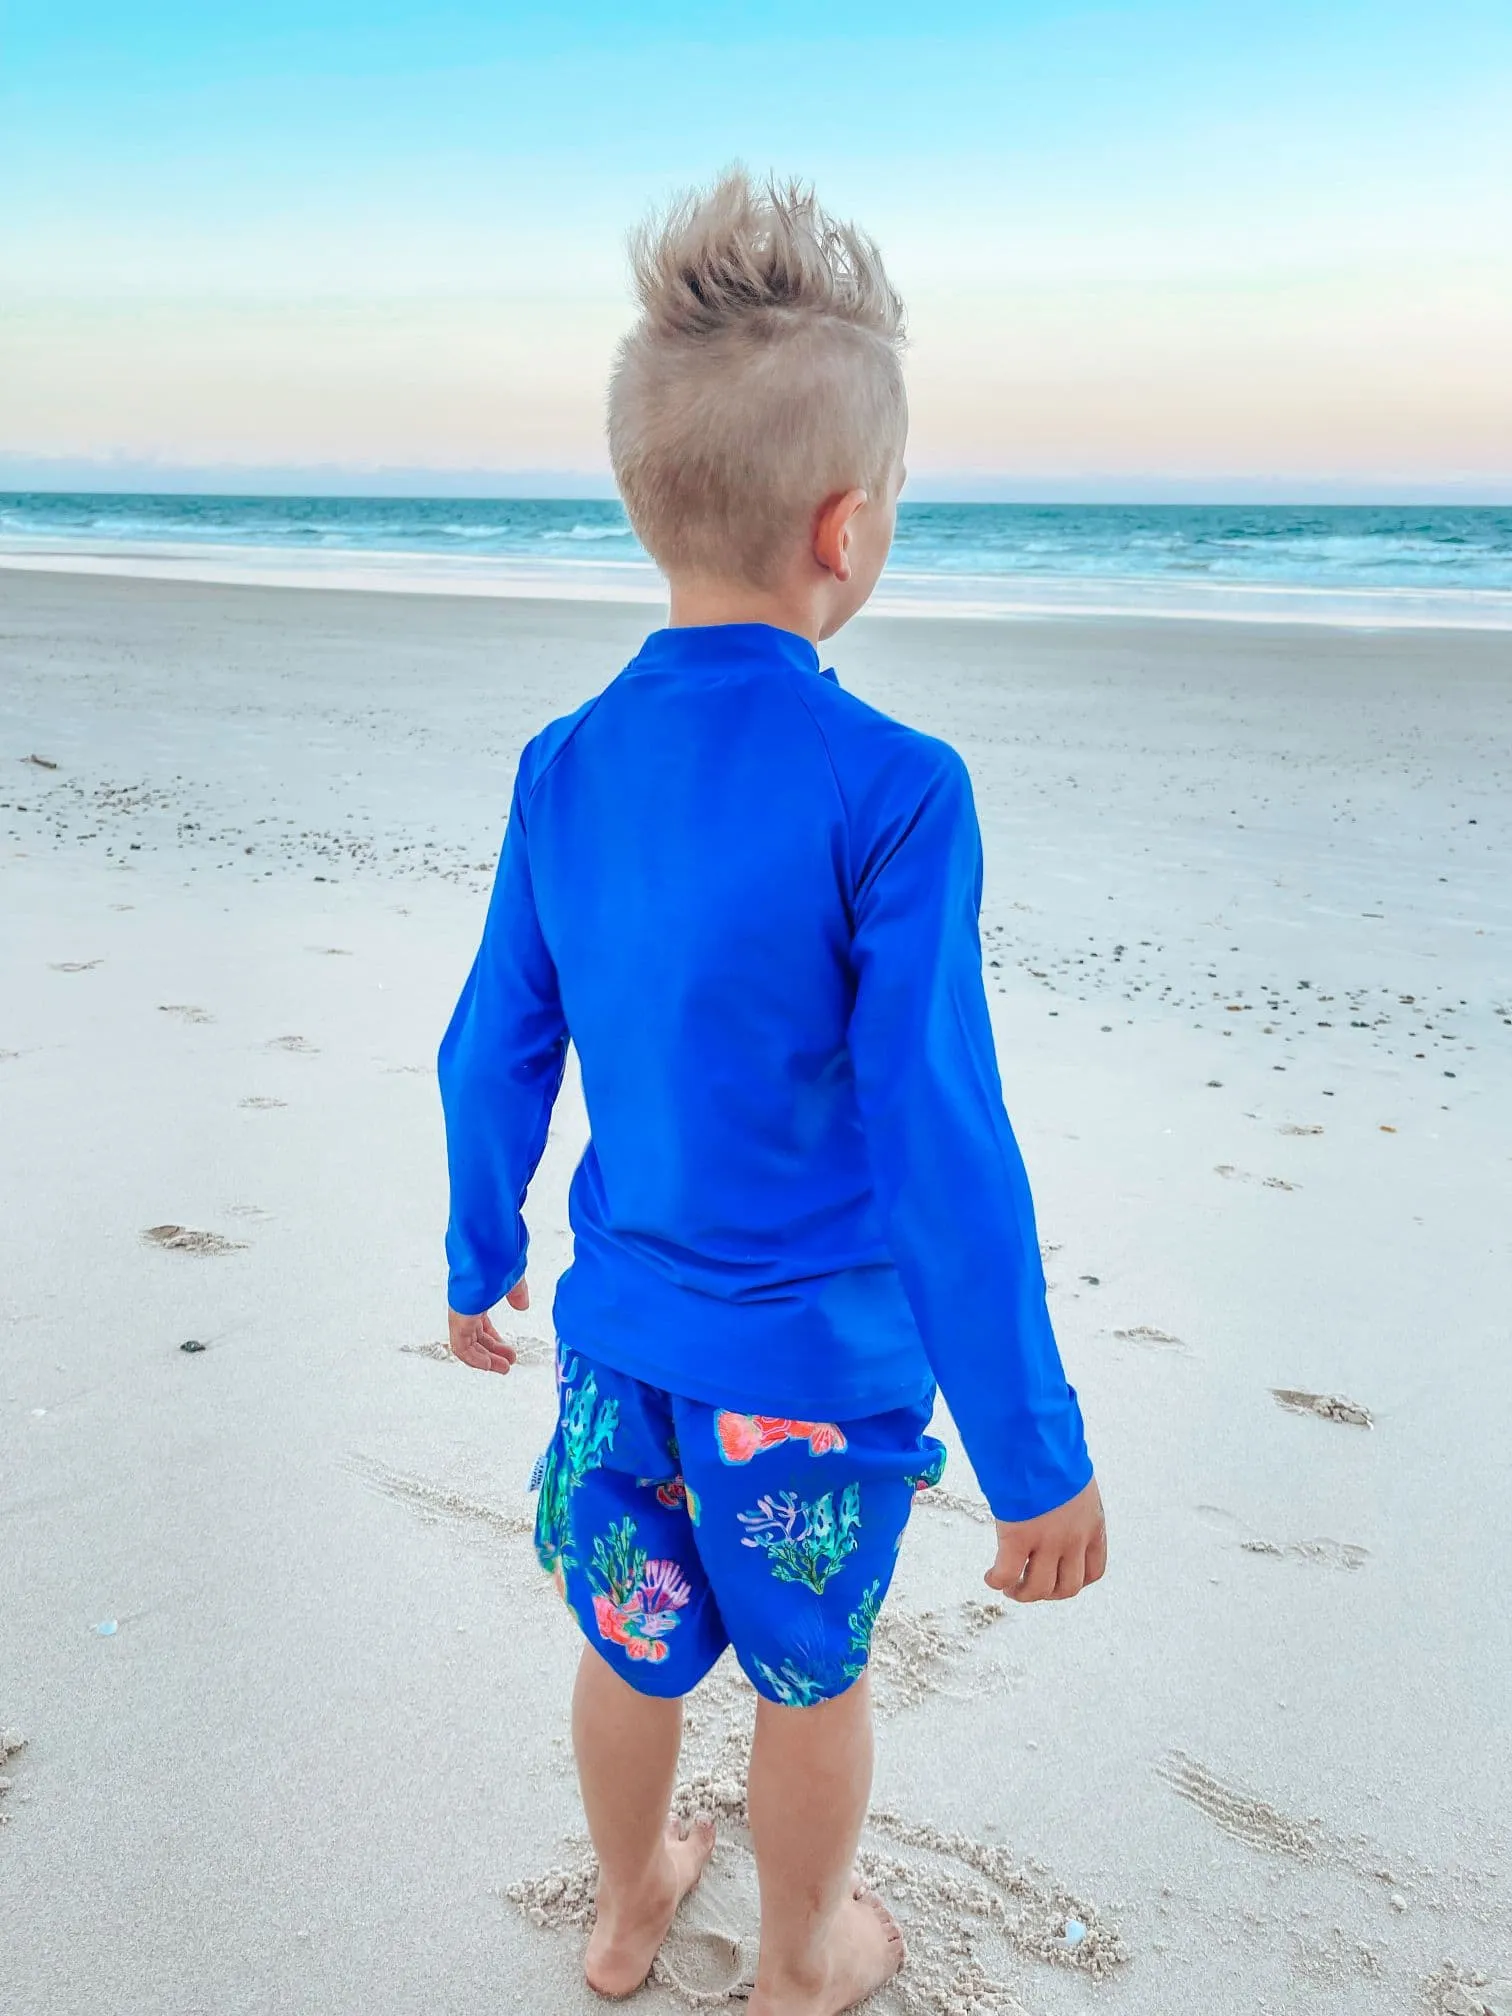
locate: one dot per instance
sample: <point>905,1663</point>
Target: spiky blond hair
<point>763,376</point>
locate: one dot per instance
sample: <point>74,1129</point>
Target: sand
<point>293,1687</point>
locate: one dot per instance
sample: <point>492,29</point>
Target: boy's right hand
<point>475,1341</point>
<point>1056,1555</point>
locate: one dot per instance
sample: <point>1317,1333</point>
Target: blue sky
<point>1143,245</point>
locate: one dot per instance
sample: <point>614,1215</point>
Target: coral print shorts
<point>674,1529</point>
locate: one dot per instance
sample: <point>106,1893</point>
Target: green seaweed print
<point>584,1433</point>
<point>862,1622</point>
<point>792,1688</point>
<point>805,1542</point>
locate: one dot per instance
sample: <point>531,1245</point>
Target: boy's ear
<point>832,532</point>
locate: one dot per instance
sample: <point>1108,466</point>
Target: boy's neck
<point>696,604</point>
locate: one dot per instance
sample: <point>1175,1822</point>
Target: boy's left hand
<point>476,1342</point>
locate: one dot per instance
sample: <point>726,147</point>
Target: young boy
<point>751,902</point>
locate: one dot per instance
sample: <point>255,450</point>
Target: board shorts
<point>674,1529</point>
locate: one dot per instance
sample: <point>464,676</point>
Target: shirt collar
<point>696,645</point>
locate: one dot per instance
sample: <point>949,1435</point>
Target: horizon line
<point>336,483</point>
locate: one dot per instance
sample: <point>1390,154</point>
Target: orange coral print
<point>742,1436</point>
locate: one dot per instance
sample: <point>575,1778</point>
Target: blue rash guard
<point>751,902</point>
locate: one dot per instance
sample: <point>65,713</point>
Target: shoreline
<point>901,595</point>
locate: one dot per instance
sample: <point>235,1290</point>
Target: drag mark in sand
<point>439,1504</point>
<point>1241,1815</point>
<point>297,1044</point>
<point>184,1011</point>
<point>1326,1406</point>
<point>181,1239</point>
<point>75,965</point>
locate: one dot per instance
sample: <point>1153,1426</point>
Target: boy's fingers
<point>1039,1577</point>
<point>1071,1576</point>
<point>1007,1571</point>
<point>1097,1555</point>
<point>519,1296</point>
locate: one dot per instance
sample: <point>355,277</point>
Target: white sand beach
<point>292,1687</point>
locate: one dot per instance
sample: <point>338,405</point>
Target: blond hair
<point>763,376</point>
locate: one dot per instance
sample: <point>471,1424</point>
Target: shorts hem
<point>657,1679</point>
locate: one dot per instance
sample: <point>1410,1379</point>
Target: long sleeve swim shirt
<point>750,901</point>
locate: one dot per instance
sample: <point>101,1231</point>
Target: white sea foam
<point>901,593</point>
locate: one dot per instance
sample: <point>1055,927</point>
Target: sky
<point>1203,249</point>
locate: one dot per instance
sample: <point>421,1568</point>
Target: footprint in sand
<point>75,965</point>
<point>1234,1175</point>
<point>12,1742</point>
<point>1326,1406</point>
<point>938,1499</point>
<point>1320,1553</point>
<point>180,1239</point>
<point>527,1350</point>
<point>1295,1127</point>
<point>184,1011</point>
<point>258,1103</point>
<point>1146,1333</point>
<point>297,1044</point>
<point>1460,1991</point>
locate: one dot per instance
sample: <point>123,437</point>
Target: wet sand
<point>1249,937</point>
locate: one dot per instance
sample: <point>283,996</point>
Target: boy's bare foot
<point>629,1932</point>
<point>865,1951</point>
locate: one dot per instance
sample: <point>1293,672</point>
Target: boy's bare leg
<point>627,1746</point>
<point>825,1945</point>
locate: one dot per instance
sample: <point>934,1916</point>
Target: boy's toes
<point>690,1848</point>
<point>894,1950</point>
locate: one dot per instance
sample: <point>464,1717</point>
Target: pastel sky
<point>1145,246</point>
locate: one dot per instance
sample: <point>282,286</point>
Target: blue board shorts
<point>673,1529</point>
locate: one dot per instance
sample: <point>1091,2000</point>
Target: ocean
<point>1359,564</point>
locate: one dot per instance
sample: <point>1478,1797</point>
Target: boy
<point>751,902</point>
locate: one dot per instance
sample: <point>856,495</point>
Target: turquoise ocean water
<point>1368,564</point>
